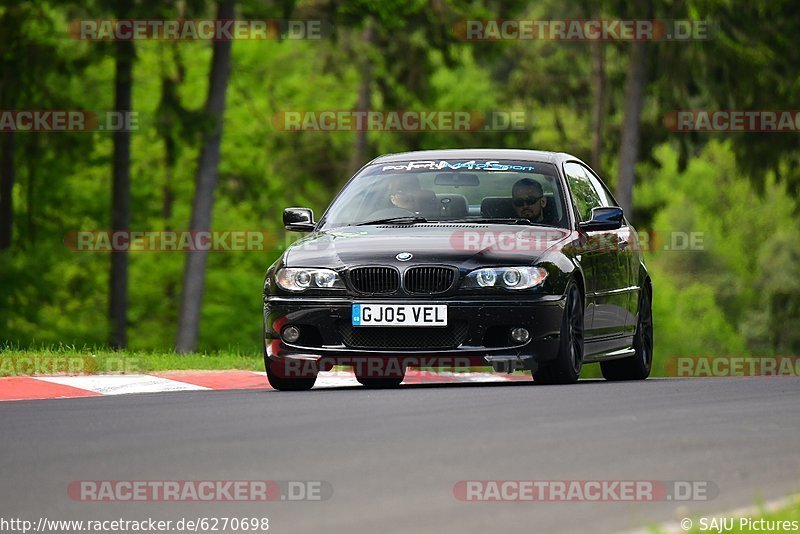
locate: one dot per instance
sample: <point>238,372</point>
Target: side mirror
<point>603,219</point>
<point>298,219</point>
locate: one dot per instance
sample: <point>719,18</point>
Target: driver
<point>403,192</point>
<point>528,200</point>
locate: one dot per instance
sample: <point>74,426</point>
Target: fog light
<point>290,334</point>
<point>520,335</point>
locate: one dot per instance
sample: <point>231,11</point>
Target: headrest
<point>452,205</point>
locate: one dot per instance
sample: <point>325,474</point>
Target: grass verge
<point>72,360</point>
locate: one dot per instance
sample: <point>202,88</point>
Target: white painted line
<point>122,384</point>
<point>125,384</point>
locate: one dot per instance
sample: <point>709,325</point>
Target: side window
<point>584,195</point>
<point>599,186</point>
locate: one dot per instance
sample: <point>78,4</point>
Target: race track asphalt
<point>393,457</point>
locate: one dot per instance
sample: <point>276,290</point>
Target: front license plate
<point>399,315</point>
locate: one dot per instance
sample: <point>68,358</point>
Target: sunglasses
<point>530,201</point>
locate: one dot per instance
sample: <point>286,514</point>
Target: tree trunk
<point>194,273</point>
<point>364,98</point>
<point>121,191</point>
<point>629,144</point>
<point>599,84</point>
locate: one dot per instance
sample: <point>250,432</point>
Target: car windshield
<point>503,191</point>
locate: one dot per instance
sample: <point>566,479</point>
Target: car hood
<point>462,245</point>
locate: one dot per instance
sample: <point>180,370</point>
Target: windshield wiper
<point>406,219</point>
<point>512,220</point>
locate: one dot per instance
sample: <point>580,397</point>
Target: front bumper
<point>477,335</point>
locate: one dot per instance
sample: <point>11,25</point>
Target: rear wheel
<point>636,367</point>
<point>566,368</point>
<point>278,379</point>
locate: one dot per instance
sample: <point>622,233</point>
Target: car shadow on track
<point>450,385</point>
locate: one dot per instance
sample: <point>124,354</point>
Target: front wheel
<point>636,367</point>
<point>278,379</point>
<point>566,368</point>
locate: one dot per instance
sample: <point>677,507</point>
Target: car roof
<point>477,153</point>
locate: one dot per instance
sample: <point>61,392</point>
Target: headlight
<point>300,279</point>
<point>506,277</point>
<point>486,277</point>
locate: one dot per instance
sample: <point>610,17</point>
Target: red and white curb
<point>59,387</point>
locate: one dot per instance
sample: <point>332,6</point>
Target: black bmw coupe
<point>515,259</point>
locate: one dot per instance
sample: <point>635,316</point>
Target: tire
<point>283,383</point>
<point>379,383</point>
<point>566,368</point>
<point>636,367</point>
